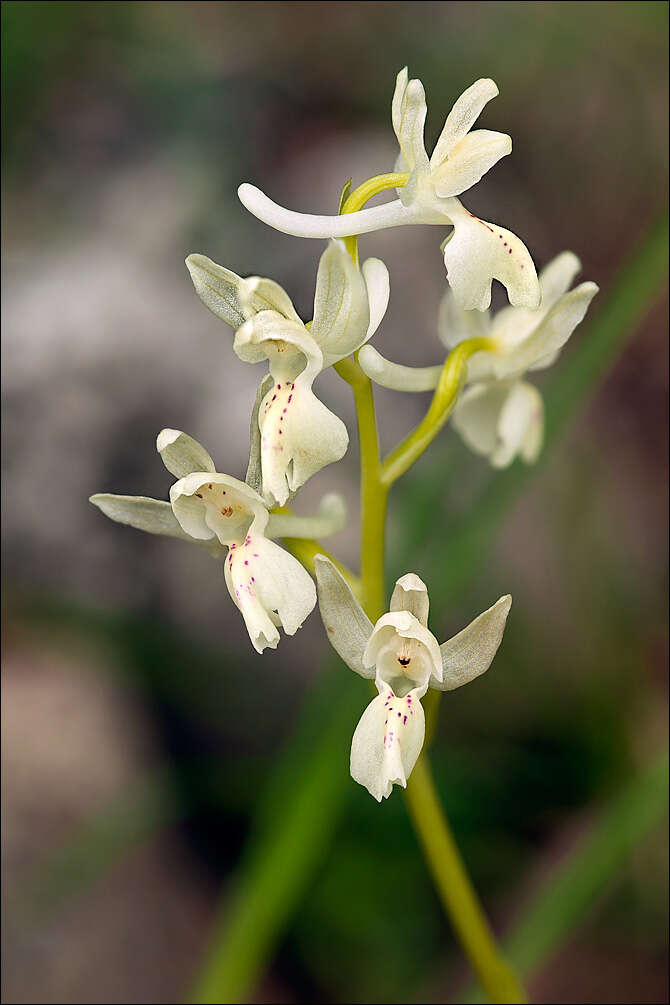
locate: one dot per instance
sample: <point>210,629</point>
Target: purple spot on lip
<point>404,719</point>
<point>246,563</point>
<point>289,398</point>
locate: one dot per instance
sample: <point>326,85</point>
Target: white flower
<point>476,252</point>
<point>499,414</point>
<point>230,519</point>
<point>298,434</point>
<point>404,659</point>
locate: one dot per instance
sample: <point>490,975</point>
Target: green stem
<point>373,493</point>
<point>358,198</point>
<point>455,890</point>
<point>441,407</point>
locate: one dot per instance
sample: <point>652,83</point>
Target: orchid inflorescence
<point>481,384</point>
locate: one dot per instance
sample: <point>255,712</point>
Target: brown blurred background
<point>128,678</point>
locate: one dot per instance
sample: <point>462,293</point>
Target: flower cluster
<point>294,435</point>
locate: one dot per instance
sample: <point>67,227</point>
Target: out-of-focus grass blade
<point>570,891</point>
<point>296,820</point>
<point>277,868</point>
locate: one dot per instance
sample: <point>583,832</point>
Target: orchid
<point>230,520</point>
<point>404,659</point>
<point>476,252</point>
<point>293,435</point>
<point>299,435</point>
<point>499,414</point>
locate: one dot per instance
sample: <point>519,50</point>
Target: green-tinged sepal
<point>347,625</point>
<point>154,516</point>
<point>470,653</point>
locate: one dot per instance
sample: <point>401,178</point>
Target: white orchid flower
<point>404,659</point>
<point>298,434</point>
<point>476,252</point>
<point>227,517</point>
<point>500,415</point>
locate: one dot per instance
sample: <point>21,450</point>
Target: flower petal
<point>501,420</point>
<point>210,504</point>
<point>181,454</point>
<point>403,651</point>
<point>455,325</point>
<point>410,594</point>
<point>520,426</point>
<point>341,313</point>
<point>462,117</point>
<point>478,252</point>
<point>469,161</point>
<point>218,288</point>
<point>471,652</point>
<point>408,113</point>
<point>477,414</point>
<point>258,294</point>
<point>270,587</point>
<point>543,346</point>
<point>376,277</point>
<point>387,743</point>
<point>347,625</point>
<point>287,345</point>
<point>299,436</point>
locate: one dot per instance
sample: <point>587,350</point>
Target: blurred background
<point>140,731</point>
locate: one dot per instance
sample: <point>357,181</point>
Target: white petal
<point>408,113</point>
<point>395,375</point>
<point>341,313</point>
<point>331,518</point>
<point>455,325</point>
<point>270,587</point>
<point>299,436</point>
<point>513,325</point>
<point>218,288</point>
<point>469,161</point>
<point>557,276</point>
<point>477,253</point>
<point>543,346</point>
<point>520,423</point>
<point>477,414</point>
<point>410,594</point>
<point>209,504</point>
<point>181,454</point>
<point>257,294</point>
<point>462,117</point>
<point>347,625</point>
<point>403,651</point>
<point>471,652</point>
<point>287,345</point>
<point>387,743</point>
<point>376,277</point>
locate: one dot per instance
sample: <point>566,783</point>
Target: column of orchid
<point>481,384</point>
